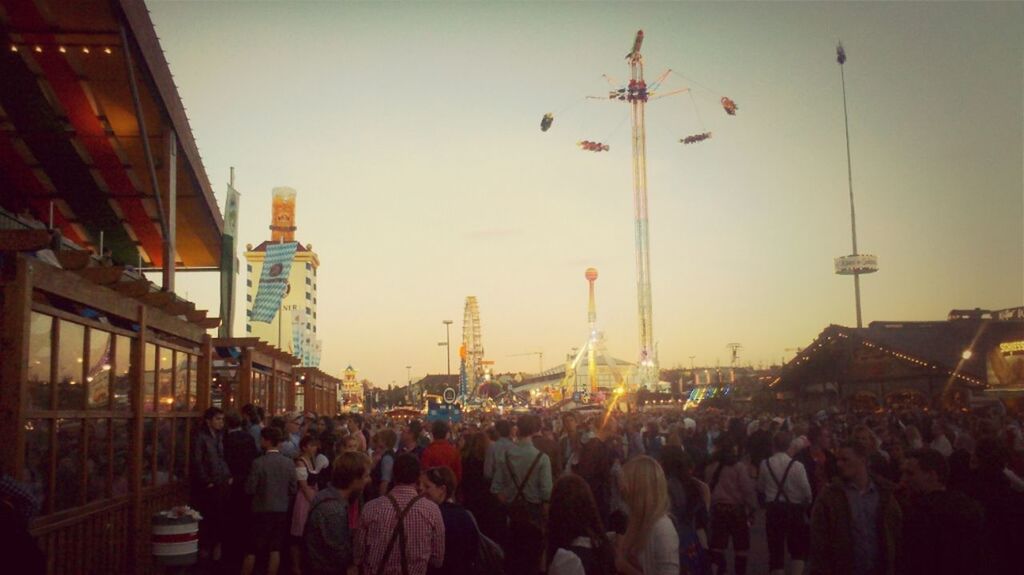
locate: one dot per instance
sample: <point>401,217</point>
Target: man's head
<point>820,437</point>
<point>528,425</point>
<point>406,470</point>
<point>293,423</point>
<point>232,420</point>
<point>864,436</point>
<point>439,429</point>
<point>503,427</point>
<point>351,471</point>
<point>354,424</point>
<point>781,441</point>
<point>924,470</point>
<point>214,418</point>
<point>569,422</point>
<point>415,428</point>
<point>270,437</point>
<point>852,460</point>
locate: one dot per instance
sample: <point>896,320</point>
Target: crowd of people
<point>611,493</point>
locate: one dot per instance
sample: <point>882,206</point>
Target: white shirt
<point>795,489</point>
<point>566,562</point>
<point>661,554</point>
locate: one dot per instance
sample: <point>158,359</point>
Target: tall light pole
<point>854,264</point>
<point>447,343</point>
<point>408,374</point>
<point>691,362</point>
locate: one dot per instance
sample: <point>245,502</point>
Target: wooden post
<point>14,348</point>
<point>138,396</point>
<point>244,377</point>
<point>272,406</point>
<point>204,378</point>
<point>170,242</point>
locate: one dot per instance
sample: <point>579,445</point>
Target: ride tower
<point>637,96</point>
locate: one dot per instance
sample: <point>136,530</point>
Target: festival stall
<point>248,370</point>
<point>319,391</point>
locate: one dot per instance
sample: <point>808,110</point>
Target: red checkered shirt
<point>424,534</point>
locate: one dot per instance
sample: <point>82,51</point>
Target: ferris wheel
<point>472,345</point>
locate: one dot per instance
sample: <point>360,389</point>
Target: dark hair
<point>991,454</point>
<point>348,467</point>
<point>814,433</point>
<point>574,514</point>
<point>726,450</point>
<point>503,427</point>
<point>781,441</point>
<point>528,425</point>
<point>415,427</point>
<point>232,419</point>
<point>475,446</point>
<point>929,459</point>
<point>212,412</point>
<point>442,476</point>
<point>306,440</point>
<point>406,470</point>
<point>439,429</point>
<point>272,434</point>
<point>277,422</point>
<point>251,414</point>
<point>855,447</point>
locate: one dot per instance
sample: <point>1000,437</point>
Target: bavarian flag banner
<point>273,281</point>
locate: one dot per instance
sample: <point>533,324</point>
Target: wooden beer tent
<point>103,376</point>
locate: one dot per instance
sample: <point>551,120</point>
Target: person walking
<point>400,533</point>
<point>461,537</point>
<point>942,529</point>
<point>327,537</point>
<point>239,452</point>
<point>522,482</point>
<point>272,484</point>
<point>690,504</point>
<point>441,451</point>
<point>787,493</point>
<point>595,466</point>
<point>381,475</point>
<point>309,466</point>
<point>577,543</point>
<point>650,545</point>
<point>211,481</point>
<point>733,502</point>
<point>818,460</point>
<point>856,521</point>
<point>496,450</point>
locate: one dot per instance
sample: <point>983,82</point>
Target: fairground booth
<point>316,392</point>
<point>248,370</point>
<point>972,359</point>
<point>103,375</point>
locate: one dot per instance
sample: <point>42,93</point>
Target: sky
<point>411,133</point>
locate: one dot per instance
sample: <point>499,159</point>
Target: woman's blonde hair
<point>645,492</point>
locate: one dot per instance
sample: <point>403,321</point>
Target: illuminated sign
<point>1012,347</point>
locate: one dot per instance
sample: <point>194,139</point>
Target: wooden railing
<point>98,538</point>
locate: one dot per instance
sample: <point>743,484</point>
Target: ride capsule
<point>589,146</point>
<point>696,138</point>
<point>729,106</point>
<point>546,121</point>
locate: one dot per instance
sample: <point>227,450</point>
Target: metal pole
<point>448,347</point>
<point>849,174</point>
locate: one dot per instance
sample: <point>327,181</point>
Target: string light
<point>39,49</point>
<point>85,49</point>
<point>62,50</point>
<point>14,48</point>
<point>108,51</point>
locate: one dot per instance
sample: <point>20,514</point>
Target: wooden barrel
<point>175,540</point>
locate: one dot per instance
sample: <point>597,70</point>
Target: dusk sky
<point>411,133</point>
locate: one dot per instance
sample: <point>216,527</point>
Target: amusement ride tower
<point>647,368</point>
<point>591,275</point>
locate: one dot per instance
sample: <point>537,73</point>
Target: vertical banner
<point>228,263</point>
<point>298,323</point>
<point>273,281</point>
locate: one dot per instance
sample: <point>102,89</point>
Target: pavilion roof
<point>69,133</point>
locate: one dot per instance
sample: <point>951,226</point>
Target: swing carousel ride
<point>637,93</point>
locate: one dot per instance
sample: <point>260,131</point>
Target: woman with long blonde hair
<point>650,545</point>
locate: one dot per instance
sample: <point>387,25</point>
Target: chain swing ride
<point>637,93</point>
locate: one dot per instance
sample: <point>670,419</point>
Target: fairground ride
<point>637,93</point>
<point>591,350</point>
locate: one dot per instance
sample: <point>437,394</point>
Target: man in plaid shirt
<point>380,547</point>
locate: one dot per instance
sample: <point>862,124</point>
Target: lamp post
<point>447,343</point>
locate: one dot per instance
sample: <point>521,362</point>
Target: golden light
<point>966,354</point>
<point>39,49</point>
<point>14,48</point>
<point>85,49</point>
<point>108,51</point>
<point>62,50</point>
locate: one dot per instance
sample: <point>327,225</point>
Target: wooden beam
<point>204,379</point>
<point>101,275</point>
<point>137,443</point>
<point>133,288</point>
<point>14,348</point>
<point>24,240</point>
<point>178,307</point>
<point>208,323</point>
<point>196,315</point>
<point>158,299</point>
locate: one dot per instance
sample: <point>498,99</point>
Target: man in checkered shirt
<point>423,527</point>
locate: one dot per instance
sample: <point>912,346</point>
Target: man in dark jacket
<point>211,481</point>
<point>856,522</point>
<point>942,529</point>
<point>327,538</point>
<point>272,484</point>
<point>239,452</point>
